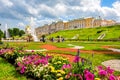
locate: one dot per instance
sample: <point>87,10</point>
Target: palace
<point>73,24</point>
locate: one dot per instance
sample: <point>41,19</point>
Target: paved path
<point>113,49</point>
<point>41,50</point>
<point>51,47</point>
<point>113,64</point>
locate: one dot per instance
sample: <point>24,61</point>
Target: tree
<point>1,34</point>
<point>16,31</point>
<point>43,38</point>
<point>10,32</point>
<point>21,32</point>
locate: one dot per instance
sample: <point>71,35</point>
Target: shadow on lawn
<point>8,71</point>
<point>114,56</point>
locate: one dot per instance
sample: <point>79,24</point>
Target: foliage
<point>1,34</point>
<point>15,32</point>
<point>21,32</point>
<point>11,32</point>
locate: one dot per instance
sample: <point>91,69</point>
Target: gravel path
<point>41,50</point>
<point>113,64</point>
<point>113,49</point>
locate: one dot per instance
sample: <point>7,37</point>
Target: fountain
<point>6,32</point>
<point>33,33</point>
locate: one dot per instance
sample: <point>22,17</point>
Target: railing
<point>14,40</point>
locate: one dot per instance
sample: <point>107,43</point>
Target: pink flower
<point>32,51</point>
<point>68,75</point>
<point>112,77</point>
<point>22,69</point>
<point>66,66</point>
<point>77,58</point>
<point>118,78</point>
<point>102,73</point>
<point>48,57</point>
<point>19,64</point>
<point>110,71</point>
<point>89,76</point>
<point>100,67</point>
<point>85,71</point>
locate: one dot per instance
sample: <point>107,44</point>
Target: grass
<point>8,72</point>
<point>88,45</point>
<point>111,32</point>
<point>27,45</point>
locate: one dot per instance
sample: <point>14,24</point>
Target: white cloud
<point>45,11</point>
<point>116,6</point>
<point>7,3</point>
<point>21,24</point>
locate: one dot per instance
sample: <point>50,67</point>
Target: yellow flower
<point>64,59</point>
<point>52,69</point>
<point>61,71</point>
<point>97,79</point>
<point>58,62</point>
<point>61,78</point>
<point>58,75</point>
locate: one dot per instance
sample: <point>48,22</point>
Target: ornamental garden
<point>51,60</point>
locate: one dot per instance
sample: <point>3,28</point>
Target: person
<point>63,39</point>
<point>43,38</point>
<point>58,39</point>
<point>52,39</point>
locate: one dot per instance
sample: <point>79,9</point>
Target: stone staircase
<point>101,36</point>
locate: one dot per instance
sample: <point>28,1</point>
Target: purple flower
<point>110,71</point>
<point>112,77</point>
<point>77,58</point>
<point>32,51</point>
<point>22,69</point>
<point>89,76</point>
<point>48,57</point>
<point>100,68</point>
<point>102,73</point>
<point>66,66</point>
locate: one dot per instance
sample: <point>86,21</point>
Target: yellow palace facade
<point>73,24</point>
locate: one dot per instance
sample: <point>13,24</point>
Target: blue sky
<point>17,13</point>
<point>107,3</point>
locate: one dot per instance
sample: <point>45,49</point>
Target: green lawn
<point>111,32</point>
<point>8,71</point>
<point>27,45</point>
<point>88,45</point>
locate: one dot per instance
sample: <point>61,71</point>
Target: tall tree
<point>11,32</point>
<point>16,31</point>
<point>1,34</point>
<point>21,32</point>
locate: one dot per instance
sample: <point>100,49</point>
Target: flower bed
<point>51,67</point>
